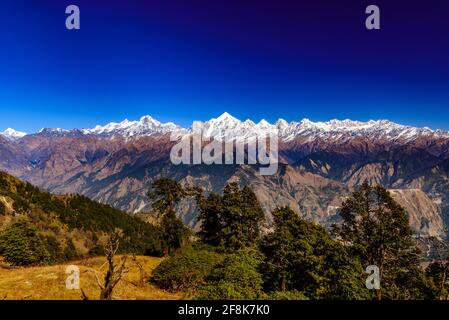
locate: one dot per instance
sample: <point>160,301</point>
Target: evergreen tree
<point>165,194</point>
<point>232,220</point>
<point>211,218</point>
<point>174,232</point>
<point>301,256</point>
<point>438,276</point>
<point>377,230</point>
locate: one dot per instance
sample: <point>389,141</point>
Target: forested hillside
<point>38,227</point>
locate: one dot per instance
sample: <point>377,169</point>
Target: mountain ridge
<point>318,165</point>
<point>288,131</point>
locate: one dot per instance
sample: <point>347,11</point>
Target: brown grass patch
<point>48,282</point>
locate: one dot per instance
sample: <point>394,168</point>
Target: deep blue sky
<point>184,60</point>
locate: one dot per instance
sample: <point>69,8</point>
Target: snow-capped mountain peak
<point>146,126</point>
<point>230,126</point>
<point>333,130</point>
<point>11,134</point>
<point>226,117</point>
<point>347,129</point>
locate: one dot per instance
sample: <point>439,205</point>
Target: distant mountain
<point>146,126</point>
<point>11,134</point>
<point>320,163</point>
<point>333,130</point>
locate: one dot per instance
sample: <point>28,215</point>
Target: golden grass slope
<point>48,282</point>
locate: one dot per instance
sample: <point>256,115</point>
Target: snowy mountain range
<point>319,164</point>
<point>11,134</point>
<point>332,130</point>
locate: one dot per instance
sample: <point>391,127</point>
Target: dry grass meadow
<point>48,282</point>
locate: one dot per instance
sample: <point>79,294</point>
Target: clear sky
<point>184,60</point>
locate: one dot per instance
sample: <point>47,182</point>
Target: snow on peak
<point>226,117</point>
<point>11,134</point>
<point>226,124</point>
<point>336,129</point>
<point>146,126</point>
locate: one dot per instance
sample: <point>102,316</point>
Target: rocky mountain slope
<point>320,162</point>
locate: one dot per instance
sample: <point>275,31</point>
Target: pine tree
<point>232,220</point>
<point>377,230</point>
<point>165,194</point>
<point>211,218</point>
<point>301,256</point>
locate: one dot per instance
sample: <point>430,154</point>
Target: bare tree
<point>143,274</point>
<point>115,272</point>
<point>84,297</point>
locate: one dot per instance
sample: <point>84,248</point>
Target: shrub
<point>70,252</point>
<point>20,245</point>
<point>53,248</point>
<point>20,206</point>
<point>187,269</point>
<point>236,278</point>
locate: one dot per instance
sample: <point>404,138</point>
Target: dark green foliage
<point>233,220</point>
<point>97,250</point>
<point>378,231</point>
<point>438,276</point>
<point>211,218</point>
<point>165,194</point>
<point>174,232</point>
<point>53,248</point>
<point>138,237</point>
<point>21,245</point>
<point>187,269</point>
<point>236,278</point>
<point>2,208</point>
<point>20,205</point>
<point>69,252</point>
<point>301,256</point>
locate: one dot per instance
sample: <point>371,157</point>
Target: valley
<point>320,163</point>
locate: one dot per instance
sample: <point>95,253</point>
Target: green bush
<point>187,269</point>
<point>70,252</point>
<point>53,248</point>
<point>301,255</point>
<point>20,245</point>
<point>236,278</point>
